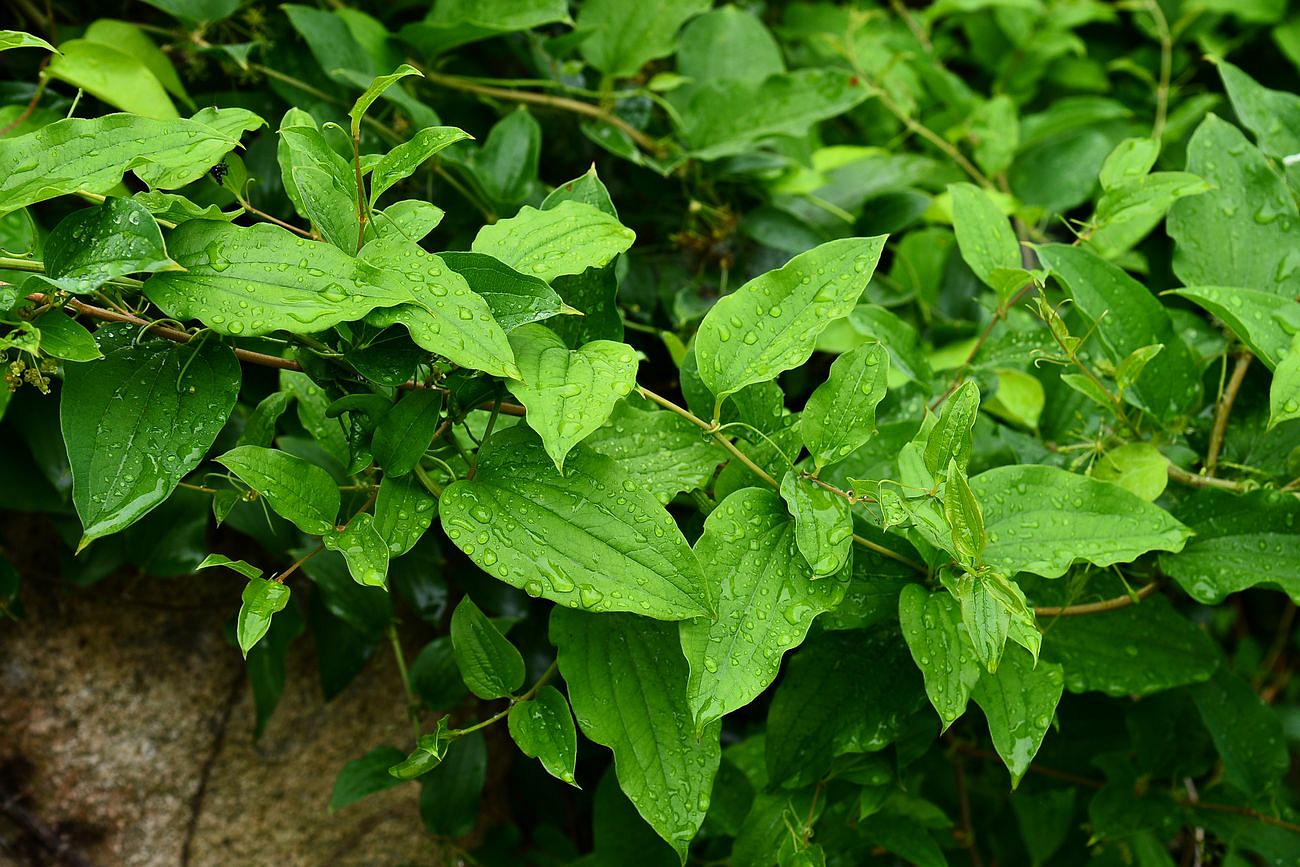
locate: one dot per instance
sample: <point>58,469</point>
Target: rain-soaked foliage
<point>726,396</point>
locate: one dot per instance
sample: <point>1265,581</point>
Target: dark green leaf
<point>626,34</point>
<point>941,648</point>
<point>489,663</point>
<point>515,299</point>
<point>404,433</point>
<point>93,245</point>
<point>543,728</point>
<point>298,491</point>
<point>1246,731</point>
<point>365,776</point>
<point>1019,702</point>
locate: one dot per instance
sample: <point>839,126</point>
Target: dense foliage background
<point>804,372</point>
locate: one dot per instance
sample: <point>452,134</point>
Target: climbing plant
<point>811,433</point>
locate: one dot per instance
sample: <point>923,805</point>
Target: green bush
<point>795,374</point>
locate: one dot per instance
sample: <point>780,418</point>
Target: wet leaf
<point>1246,732</point>
<point>941,648</point>
<point>403,512</point>
<point>1254,317</point>
<point>591,539</point>
<point>488,662</point>
<point>543,729</point>
<point>1019,702</point>
<point>823,523</point>
<point>568,393</point>
<point>93,245</point>
<point>566,239</point>
<point>626,679</point>
<point>262,600</point>
<point>987,242</point>
<point>299,492</point>
<point>405,432</point>
<point>840,416</point>
<point>661,451</point>
<point>365,551</point>
<point>767,599</point>
<point>64,337</point>
<point>515,299</point>
<point>403,160</point>
<point>771,323</point>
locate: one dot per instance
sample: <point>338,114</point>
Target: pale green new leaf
<point>591,539</point>
<point>1137,467</point>
<point>941,647</point>
<point>823,523</point>
<point>543,729</point>
<point>952,437</point>
<point>130,39</point>
<point>840,415</point>
<point>243,567</point>
<point>984,235</point>
<point>663,452</point>
<point>261,600</point>
<point>962,510</point>
<point>138,420</point>
<point>374,91</point>
<point>1019,702</point>
<point>771,323</point>
<point>302,145</point>
<point>568,393</point>
<point>17,39</point>
<point>330,203</point>
<point>93,245</point>
<point>403,512</point>
<point>93,154</point>
<point>1128,211</point>
<point>627,682</point>
<point>767,599</point>
<point>1019,398</point>
<point>626,34</point>
<point>300,492</point>
<point>402,161</point>
<point>364,550</point>
<point>118,78</point>
<point>1129,317</point>
<point>1042,519</point>
<point>1253,316</point>
<point>488,662</point>
<point>566,239</point>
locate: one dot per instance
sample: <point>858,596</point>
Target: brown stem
<point>293,567</point>
<point>967,828</point>
<point>563,103</point>
<point>1194,480</point>
<point>248,206</point>
<point>31,106</point>
<point>1098,607</point>
<point>1002,311</point>
<point>1224,411</point>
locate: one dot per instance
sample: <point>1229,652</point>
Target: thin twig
<point>1166,67</point>
<point>1224,411</point>
<point>1196,480</point>
<point>31,106</point>
<point>563,103</point>
<point>1098,607</point>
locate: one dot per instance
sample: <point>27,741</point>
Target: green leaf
<point>767,601</point>
<point>429,752</point>
<point>566,239</point>
<point>726,118</point>
<point>406,430</point>
<point>1247,733</point>
<point>120,79</point>
<point>506,165</point>
<point>409,219</point>
<point>1272,115</point>
<point>302,146</point>
<point>300,492</point>
<point>1128,318</point>
<point>728,43</point>
<point>1136,467</point>
<point>1019,702</point>
<point>569,538</point>
<point>1254,317</point>
<point>515,299</point>
<point>329,202</point>
<point>625,34</point>
<point>365,776</point>
<point>962,511</point>
<point>93,245</point>
<point>63,337</point>
<point>488,662</point>
<point>1128,211</point>
<point>993,608</point>
<point>403,512</point>
<point>365,551</point>
<point>450,793</point>
<point>1241,540</point>
<point>1284,393</point>
<point>771,323</point>
<point>1131,160</point>
<point>402,161</point>
<point>197,11</point>
<point>661,451</point>
<point>1139,650</point>
<point>984,236</point>
<point>543,729</point>
<point>1019,398</point>
<point>840,415</point>
<point>130,39</point>
<point>456,22</point>
<point>823,523</point>
<point>1042,519</point>
<point>951,438</point>
<point>627,682</point>
<point>444,315</point>
<point>374,91</point>
<point>940,646</point>
<point>17,39</point>
<point>93,154</point>
<point>244,568</point>
<point>568,393</point>
<point>262,600</point>
<point>138,420</point>
<point>330,41</point>
<point>1246,231</point>
<point>313,413</point>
